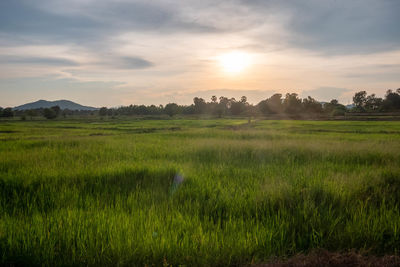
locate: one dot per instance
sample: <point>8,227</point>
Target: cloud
<point>135,63</point>
<point>23,18</point>
<point>376,77</point>
<point>330,27</point>
<point>47,61</point>
<point>62,21</point>
<point>389,66</point>
<point>170,47</point>
<point>334,27</point>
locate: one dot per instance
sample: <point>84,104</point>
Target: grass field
<point>102,193</point>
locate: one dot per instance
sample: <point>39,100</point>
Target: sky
<point>122,52</point>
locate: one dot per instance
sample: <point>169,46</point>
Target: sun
<point>234,62</point>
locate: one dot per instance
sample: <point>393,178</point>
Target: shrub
<point>49,113</point>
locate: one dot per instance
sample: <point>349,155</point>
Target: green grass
<point>101,193</point>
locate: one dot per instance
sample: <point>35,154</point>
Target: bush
<point>8,112</point>
<point>49,113</point>
<point>338,112</point>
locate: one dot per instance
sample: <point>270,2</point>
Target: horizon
<point>117,53</point>
<point>111,107</point>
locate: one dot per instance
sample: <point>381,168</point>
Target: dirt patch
<point>99,134</point>
<point>141,130</point>
<point>8,131</point>
<point>330,259</point>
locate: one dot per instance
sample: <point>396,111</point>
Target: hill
<point>63,104</point>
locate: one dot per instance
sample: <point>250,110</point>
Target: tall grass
<point>101,193</point>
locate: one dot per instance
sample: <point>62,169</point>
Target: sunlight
<point>234,62</point>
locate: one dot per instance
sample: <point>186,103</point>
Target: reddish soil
<point>329,259</point>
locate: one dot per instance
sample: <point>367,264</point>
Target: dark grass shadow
<point>289,155</point>
<point>19,260</point>
<point>8,131</point>
<point>384,190</point>
<point>314,216</point>
<point>126,181</point>
<point>44,195</point>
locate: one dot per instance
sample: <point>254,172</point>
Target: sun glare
<point>234,62</point>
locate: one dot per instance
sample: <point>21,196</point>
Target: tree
<point>373,103</point>
<point>237,108</point>
<point>57,110</point>
<point>8,112</point>
<point>49,113</point>
<point>103,111</point>
<point>310,105</point>
<point>271,105</point>
<point>334,108</point>
<point>275,103</point>
<point>359,100</point>
<point>154,110</point>
<point>263,107</point>
<point>212,106</point>
<point>223,106</point>
<point>171,109</point>
<point>392,100</point>
<point>188,109</point>
<point>251,111</point>
<point>31,113</point>
<point>292,103</point>
<point>199,105</point>
<point>334,102</point>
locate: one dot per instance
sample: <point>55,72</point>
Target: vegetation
<point>51,113</point>
<point>7,112</point>
<point>290,105</point>
<point>103,193</point>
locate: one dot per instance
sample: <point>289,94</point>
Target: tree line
<point>289,104</point>
<point>49,113</point>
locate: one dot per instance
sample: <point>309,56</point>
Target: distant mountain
<point>63,104</point>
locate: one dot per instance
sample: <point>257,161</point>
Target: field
<point>102,192</point>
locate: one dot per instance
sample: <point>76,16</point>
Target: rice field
<point>195,192</point>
